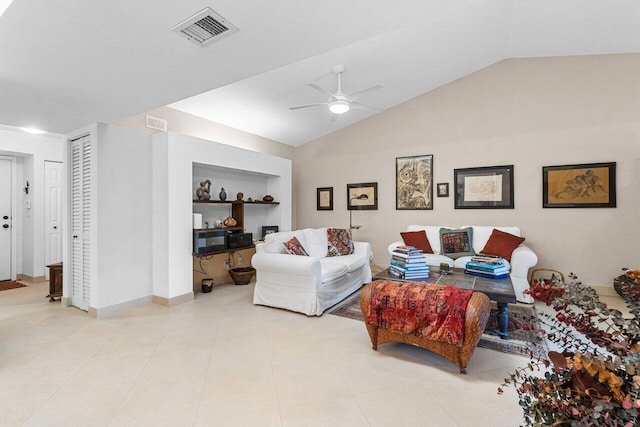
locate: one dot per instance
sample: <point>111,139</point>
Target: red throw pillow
<point>502,244</point>
<point>417,239</point>
<point>294,247</point>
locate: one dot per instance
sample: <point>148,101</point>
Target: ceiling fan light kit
<point>340,102</point>
<point>339,106</point>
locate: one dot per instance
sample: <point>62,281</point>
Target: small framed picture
<point>443,189</point>
<point>325,199</point>
<point>269,229</point>
<point>362,196</point>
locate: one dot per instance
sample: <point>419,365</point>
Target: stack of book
<point>487,266</point>
<point>408,263</point>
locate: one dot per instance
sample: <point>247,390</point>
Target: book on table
<point>485,274</point>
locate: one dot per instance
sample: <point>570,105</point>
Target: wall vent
<point>156,123</point>
<point>205,27</point>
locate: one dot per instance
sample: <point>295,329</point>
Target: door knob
<point>5,225</point>
<point>55,227</point>
<point>5,217</point>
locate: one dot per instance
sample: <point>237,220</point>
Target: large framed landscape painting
<point>489,187</point>
<point>590,185</point>
<point>414,182</point>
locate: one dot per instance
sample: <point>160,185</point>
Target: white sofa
<point>307,284</point>
<point>522,258</point>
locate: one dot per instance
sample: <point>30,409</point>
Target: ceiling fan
<point>340,102</point>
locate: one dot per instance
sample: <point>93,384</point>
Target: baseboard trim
<point>103,312</point>
<point>33,280</point>
<point>605,291</point>
<point>170,302</point>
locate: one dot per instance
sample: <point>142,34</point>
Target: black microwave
<point>239,240</point>
<point>206,242</point>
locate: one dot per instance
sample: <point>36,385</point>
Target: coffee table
<point>500,290</point>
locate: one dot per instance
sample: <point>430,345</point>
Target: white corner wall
<point>31,151</point>
<point>173,158</point>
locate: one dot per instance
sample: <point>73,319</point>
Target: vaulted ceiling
<point>68,63</point>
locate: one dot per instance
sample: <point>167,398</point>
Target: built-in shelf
<point>237,212</point>
<point>229,202</point>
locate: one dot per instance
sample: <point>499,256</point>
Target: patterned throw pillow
<point>339,242</point>
<point>457,243</point>
<point>294,247</point>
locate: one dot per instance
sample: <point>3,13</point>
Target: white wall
<point>526,112</point>
<point>124,216</point>
<point>31,152</point>
<point>173,193</point>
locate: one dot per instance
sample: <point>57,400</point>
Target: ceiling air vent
<point>205,27</point>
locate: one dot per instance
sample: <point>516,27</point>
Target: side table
<point>55,281</point>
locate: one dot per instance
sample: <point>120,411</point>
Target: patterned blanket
<point>432,311</point>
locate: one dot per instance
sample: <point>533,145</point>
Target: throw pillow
<point>294,247</point>
<point>456,243</point>
<point>417,239</point>
<point>339,242</point>
<point>502,244</point>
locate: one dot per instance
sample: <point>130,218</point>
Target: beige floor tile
<point>219,360</point>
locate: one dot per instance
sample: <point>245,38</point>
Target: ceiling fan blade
<point>358,106</point>
<point>307,106</point>
<point>362,92</point>
<point>321,90</point>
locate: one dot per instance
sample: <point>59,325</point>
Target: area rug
<point>10,284</point>
<point>526,338</point>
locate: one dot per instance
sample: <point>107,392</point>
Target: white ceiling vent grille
<point>205,27</point>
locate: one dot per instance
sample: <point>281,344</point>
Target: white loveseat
<point>522,258</point>
<point>307,284</point>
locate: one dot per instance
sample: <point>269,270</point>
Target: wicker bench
<point>476,317</point>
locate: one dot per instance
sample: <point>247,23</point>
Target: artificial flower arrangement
<point>595,379</point>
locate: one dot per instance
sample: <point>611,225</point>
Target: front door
<point>5,218</point>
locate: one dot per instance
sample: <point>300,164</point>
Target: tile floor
<point>218,360</point>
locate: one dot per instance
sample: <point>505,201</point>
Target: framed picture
<point>269,229</point>
<point>414,182</point>
<point>362,196</point>
<point>443,189</point>
<point>591,185</point>
<point>325,199</point>
<point>489,187</point>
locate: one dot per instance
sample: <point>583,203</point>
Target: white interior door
<point>53,213</point>
<point>80,221</point>
<point>6,186</point>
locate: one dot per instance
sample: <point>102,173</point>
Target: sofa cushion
<point>315,241</point>
<point>502,244</point>
<point>456,243</point>
<point>339,242</point>
<point>294,247</point>
<point>351,262</point>
<point>330,270</point>
<point>417,239</point>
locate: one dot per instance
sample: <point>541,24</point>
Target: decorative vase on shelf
<point>223,194</point>
<point>268,198</point>
<point>230,222</point>
<point>239,196</point>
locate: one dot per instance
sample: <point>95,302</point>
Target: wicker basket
<point>242,275</point>
<point>545,274</point>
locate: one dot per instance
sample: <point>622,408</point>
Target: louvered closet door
<point>80,221</point>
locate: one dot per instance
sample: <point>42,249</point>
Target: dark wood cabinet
<point>55,281</point>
